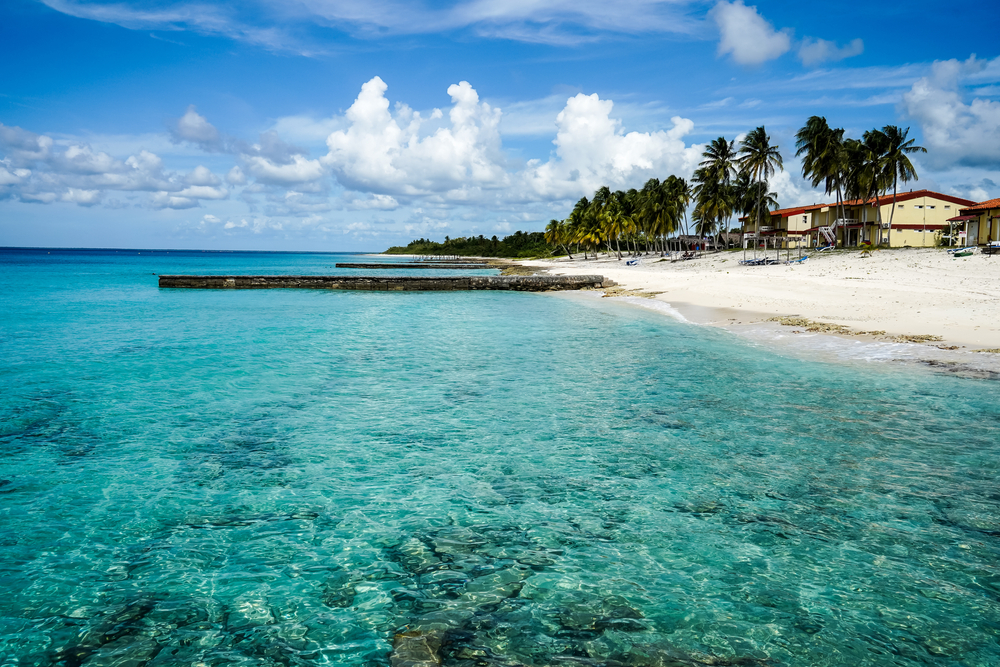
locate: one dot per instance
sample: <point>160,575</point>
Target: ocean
<point>285,477</point>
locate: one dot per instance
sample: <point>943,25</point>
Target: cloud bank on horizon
<point>390,168</point>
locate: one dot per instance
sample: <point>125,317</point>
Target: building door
<point>973,238</point>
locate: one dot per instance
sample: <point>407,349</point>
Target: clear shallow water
<point>297,477</point>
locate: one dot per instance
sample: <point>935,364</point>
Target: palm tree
<point>760,159</point>
<point>897,164</point>
<point>720,160</point>
<point>576,223</point>
<point>713,186</point>
<point>662,207</point>
<point>714,201</point>
<point>555,233</point>
<point>867,175</point>
<point>824,156</point>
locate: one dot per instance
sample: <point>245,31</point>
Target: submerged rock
<point>339,590</point>
<point>417,648</point>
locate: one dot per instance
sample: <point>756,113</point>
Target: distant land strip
<point>415,265</point>
<point>390,284</point>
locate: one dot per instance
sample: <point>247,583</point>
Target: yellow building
<point>981,222</point>
<point>918,220</point>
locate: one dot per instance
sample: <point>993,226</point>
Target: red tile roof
<point>965,204</point>
<point>906,196</point>
<point>983,205</point>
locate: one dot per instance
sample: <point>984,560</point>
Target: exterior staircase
<point>829,232</point>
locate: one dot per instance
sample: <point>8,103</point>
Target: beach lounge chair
<point>632,262</point>
<point>991,248</point>
<point>827,247</point>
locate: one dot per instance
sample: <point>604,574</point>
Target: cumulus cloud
<point>24,147</point>
<point>814,52</point>
<point>195,128</point>
<point>297,170</point>
<point>746,35</point>
<point>956,132</point>
<point>168,200</point>
<point>35,169</point>
<point>374,201</point>
<point>236,176</point>
<point>82,197</point>
<point>387,155</point>
<point>592,150</point>
<point>201,175</point>
<point>296,204</point>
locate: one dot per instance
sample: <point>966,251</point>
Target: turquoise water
<point>303,477</point>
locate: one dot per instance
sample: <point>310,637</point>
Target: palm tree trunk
<point>892,211</point>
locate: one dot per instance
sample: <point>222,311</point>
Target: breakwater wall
<point>390,284</point>
<point>415,265</point>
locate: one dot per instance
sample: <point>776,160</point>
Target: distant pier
<point>390,284</point>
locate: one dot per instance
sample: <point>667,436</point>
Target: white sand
<point>918,291</point>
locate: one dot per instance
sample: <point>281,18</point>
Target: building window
<point>918,206</point>
<point>947,206</point>
<point>930,207</point>
<point>899,206</point>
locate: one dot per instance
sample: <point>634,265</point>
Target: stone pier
<point>390,284</point>
<point>415,265</point>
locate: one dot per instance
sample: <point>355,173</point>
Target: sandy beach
<point>894,294</point>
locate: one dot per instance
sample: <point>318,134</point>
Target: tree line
<point>733,179</point>
<point>518,244</point>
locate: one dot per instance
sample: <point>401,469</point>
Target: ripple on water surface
<point>470,479</point>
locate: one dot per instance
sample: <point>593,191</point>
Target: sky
<point>350,125</point>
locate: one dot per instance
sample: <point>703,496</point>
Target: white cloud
<point>591,150</point>
<point>814,52</point>
<point>201,175</point>
<point>374,201</point>
<point>24,147</point>
<point>82,197</point>
<point>195,128</point>
<point>236,176</point>
<point>298,170</point>
<point>286,25</point>
<point>11,176</point>
<point>385,154</point>
<point>746,35</point>
<point>203,192</point>
<point>955,132</point>
<point>168,200</point>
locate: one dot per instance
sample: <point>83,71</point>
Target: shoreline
<point>909,305</point>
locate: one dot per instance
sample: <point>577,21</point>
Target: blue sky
<point>351,125</point>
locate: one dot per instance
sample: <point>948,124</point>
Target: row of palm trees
<point>860,169</point>
<point>643,217</point>
<point>730,179</point>
<point>733,179</point>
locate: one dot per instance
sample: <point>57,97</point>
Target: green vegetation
<point>518,244</point>
<point>863,170</point>
<point>730,179</point>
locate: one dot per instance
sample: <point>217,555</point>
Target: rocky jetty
<point>390,284</point>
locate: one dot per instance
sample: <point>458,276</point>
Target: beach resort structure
<point>978,224</point>
<point>919,219</point>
